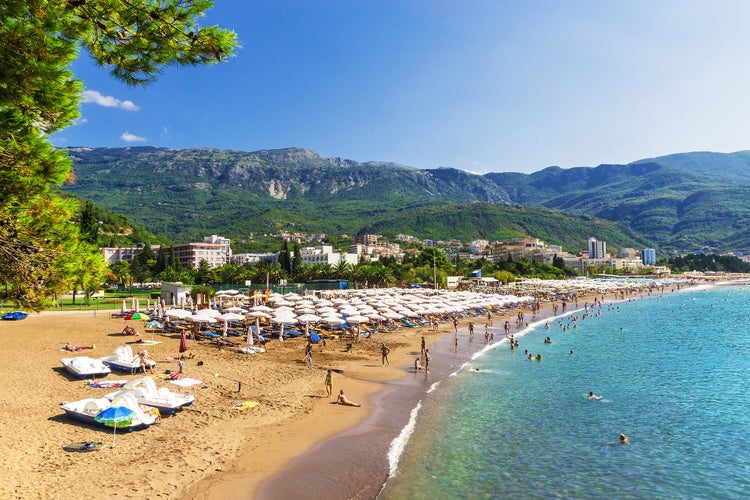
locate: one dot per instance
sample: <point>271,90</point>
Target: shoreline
<point>213,449</point>
<point>312,468</point>
<point>336,466</point>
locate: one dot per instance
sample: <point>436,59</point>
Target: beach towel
<point>245,405</point>
<point>106,384</point>
<point>187,382</point>
<point>84,446</point>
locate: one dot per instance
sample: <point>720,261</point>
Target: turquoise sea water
<point>673,370</point>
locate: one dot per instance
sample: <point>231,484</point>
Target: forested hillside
<point>668,202</point>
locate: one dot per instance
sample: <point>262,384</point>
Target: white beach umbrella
<point>284,318</point>
<point>230,316</point>
<point>356,319</point>
<point>201,318</point>
<point>331,320</point>
<point>305,310</point>
<point>257,315</point>
<point>177,313</point>
<point>307,319</point>
<point>392,315</point>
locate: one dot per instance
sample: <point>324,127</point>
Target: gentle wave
<point>399,443</point>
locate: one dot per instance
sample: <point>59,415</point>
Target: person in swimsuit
<point>144,358</point>
<point>342,400</point>
<point>329,383</point>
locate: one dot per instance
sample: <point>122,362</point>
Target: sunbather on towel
<point>74,348</point>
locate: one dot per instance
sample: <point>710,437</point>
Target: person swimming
<point>594,396</point>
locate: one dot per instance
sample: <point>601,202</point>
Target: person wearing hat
<point>144,358</point>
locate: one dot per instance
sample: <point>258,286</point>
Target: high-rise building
<point>597,249</point>
<point>648,256</point>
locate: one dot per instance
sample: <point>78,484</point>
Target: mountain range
<point>683,202</point>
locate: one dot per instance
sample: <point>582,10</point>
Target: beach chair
<point>224,341</point>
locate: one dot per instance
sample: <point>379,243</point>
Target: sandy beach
<point>195,452</point>
<point>209,450</point>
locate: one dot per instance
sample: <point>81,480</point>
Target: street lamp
<point>434,269</point>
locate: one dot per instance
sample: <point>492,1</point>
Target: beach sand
<point>211,450</point>
<point>204,451</point>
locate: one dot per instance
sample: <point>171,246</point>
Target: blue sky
<point>482,86</point>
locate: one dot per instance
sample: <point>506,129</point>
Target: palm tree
<point>342,270</point>
<point>327,271</point>
<point>383,276</point>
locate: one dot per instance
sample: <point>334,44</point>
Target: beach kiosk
<point>175,294</point>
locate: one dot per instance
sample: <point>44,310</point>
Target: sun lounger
<point>224,341</point>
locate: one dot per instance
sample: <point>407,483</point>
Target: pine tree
<point>39,39</point>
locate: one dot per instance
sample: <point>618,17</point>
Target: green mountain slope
<point>707,165</point>
<point>684,202</point>
<point>183,194</point>
<point>666,204</point>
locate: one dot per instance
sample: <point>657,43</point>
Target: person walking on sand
<point>329,383</point>
<point>423,345</point>
<point>384,350</point>
<point>308,354</point>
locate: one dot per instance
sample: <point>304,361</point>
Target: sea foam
<point>399,443</point>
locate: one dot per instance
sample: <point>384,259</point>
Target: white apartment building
<point>477,246</point>
<point>324,254</point>
<point>254,258</point>
<point>224,242</point>
<point>189,255</point>
<point>597,249</point>
<point>214,249</point>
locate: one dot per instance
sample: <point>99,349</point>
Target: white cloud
<point>95,97</point>
<point>128,137</point>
